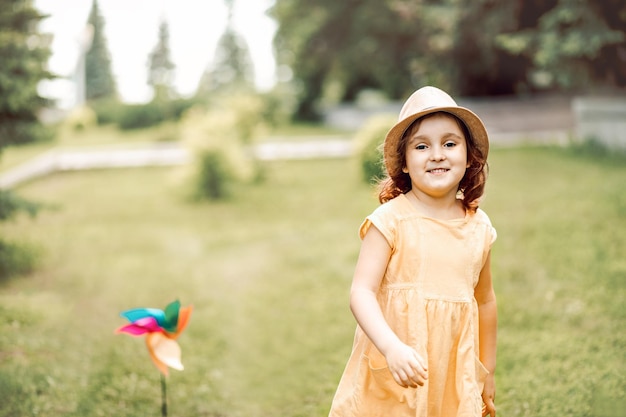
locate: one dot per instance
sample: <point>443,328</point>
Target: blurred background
<point>224,152</point>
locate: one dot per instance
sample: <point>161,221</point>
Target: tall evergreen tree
<point>99,81</point>
<point>24,54</point>
<point>232,65</point>
<point>160,66</point>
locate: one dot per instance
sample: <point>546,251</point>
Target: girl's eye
<point>449,144</point>
<point>420,147</point>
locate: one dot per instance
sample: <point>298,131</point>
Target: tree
<point>482,47</point>
<point>24,53</point>
<point>232,66</point>
<point>160,66</point>
<point>357,44</point>
<point>99,79</point>
<point>575,44</point>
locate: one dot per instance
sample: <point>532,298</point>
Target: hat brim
<point>474,125</point>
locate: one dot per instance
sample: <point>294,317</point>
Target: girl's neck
<point>442,208</point>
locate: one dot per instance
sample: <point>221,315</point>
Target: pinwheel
<point>161,328</point>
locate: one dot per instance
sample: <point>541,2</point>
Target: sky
<point>131,31</point>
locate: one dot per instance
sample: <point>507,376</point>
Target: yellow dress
<point>427,297</point>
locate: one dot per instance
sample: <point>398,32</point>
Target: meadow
<point>268,273</point>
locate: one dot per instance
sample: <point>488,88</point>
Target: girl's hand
<point>489,396</point>
<point>407,367</point>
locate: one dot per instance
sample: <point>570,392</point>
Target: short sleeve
<point>484,218</point>
<point>383,219</point>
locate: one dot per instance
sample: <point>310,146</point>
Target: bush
<point>107,111</point>
<point>368,145</point>
<point>11,204</point>
<point>595,149</point>
<point>178,107</point>
<point>214,175</point>
<point>219,138</point>
<point>139,116</point>
<point>16,259</point>
<point>81,118</point>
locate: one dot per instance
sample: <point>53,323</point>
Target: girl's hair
<point>472,185</point>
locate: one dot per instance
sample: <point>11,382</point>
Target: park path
<point>160,154</point>
<point>509,121</point>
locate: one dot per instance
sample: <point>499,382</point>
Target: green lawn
<point>268,273</point>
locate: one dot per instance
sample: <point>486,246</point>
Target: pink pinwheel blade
<point>141,326</point>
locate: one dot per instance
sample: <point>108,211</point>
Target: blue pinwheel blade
<point>140,313</point>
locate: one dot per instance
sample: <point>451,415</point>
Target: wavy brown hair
<point>472,184</point>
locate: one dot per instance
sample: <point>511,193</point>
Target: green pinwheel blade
<point>171,316</point>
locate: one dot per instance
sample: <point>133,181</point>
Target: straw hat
<point>428,100</point>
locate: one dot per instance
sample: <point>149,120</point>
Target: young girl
<point>425,344</point>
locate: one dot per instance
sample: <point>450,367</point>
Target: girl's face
<point>436,156</point>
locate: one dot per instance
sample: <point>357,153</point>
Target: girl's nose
<point>437,154</point>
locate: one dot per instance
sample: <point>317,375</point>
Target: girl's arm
<point>406,365</point>
<point>488,323</point>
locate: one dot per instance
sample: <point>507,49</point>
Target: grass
<point>268,273</point>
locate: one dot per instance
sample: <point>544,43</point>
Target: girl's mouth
<point>438,171</point>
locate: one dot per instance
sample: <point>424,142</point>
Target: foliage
<point>597,150</point>
<point>232,67</point>
<point>81,118</point>
<point>11,204</point>
<point>160,65</point>
<point>108,111</point>
<point>219,137</point>
<point>99,81</point>
<point>214,174</point>
<point>468,48</point>
<point>24,53</point>
<point>269,274</point>
<point>368,146</point>
<point>139,116</point>
<point>568,42</point>
<point>16,259</point>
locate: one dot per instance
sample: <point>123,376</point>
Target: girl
<point>422,295</point>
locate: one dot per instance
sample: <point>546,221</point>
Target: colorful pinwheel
<point>162,328</point>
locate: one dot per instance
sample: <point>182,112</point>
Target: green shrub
<point>81,118</point>
<point>16,259</point>
<point>107,111</point>
<point>214,175</point>
<point>139,116</point>
<point>11,204</point>
<point>278,106</point>
<point>595,149</point>
<point>178,107</point>
<point>368,145</point>
<point>219,142</point>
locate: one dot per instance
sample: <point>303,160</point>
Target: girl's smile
<point>438,171</point>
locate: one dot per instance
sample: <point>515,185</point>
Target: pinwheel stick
<point>163,396</point>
